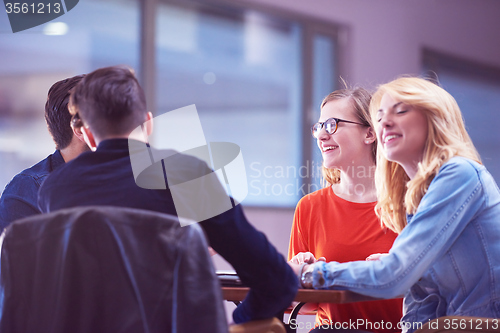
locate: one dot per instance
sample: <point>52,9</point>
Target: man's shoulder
<point>19,198</point>
<point>23,188</point>
<point>37,172</point>
<point>22,183</point>
<point>183,165</point>
<point>69,168</point>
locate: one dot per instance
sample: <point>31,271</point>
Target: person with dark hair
<point>19,198</point>
<point>111,105</point>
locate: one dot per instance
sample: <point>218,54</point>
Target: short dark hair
<point>57,114</point>
<point>110,101</point>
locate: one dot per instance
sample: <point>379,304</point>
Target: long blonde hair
<point>360,101</point>
<point>397,194</point>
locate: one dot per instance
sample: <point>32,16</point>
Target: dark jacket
<point>105,177</point>
<point>108,269</point>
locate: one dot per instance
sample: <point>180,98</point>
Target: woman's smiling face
<point>343,148</point>
<point>402,132</point>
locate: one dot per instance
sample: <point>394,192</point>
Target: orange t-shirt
<point>339,230</point>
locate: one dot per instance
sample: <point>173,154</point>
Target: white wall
<point>385,37</point>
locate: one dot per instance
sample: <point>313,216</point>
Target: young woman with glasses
<point>339,222</point>
<point>433,191</point>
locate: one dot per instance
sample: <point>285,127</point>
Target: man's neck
<point>134,136</point>
<point>73,151</point>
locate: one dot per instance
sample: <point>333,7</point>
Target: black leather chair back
<point>107,269</point>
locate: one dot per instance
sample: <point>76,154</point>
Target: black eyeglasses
<point>331,126</point>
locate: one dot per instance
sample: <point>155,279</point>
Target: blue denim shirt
<point>446,261</point>
<point>20,197</point>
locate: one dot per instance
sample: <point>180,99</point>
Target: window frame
<point>311,27</point>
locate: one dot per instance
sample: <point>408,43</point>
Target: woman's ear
<point>370,136</point>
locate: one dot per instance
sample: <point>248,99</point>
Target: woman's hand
<point>376,256</point>
<point>211,251</point>
<point>305,257</point>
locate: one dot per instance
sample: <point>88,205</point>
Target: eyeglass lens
<point>330,127</point>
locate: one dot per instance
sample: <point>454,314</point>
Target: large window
<point>94,34</point>
<point>242,69</point>
<point>324,82</point>
<point>476,87</point>
<point>256,77</point>
<point>247,72</point>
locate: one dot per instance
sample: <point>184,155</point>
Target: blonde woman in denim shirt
<point>433,191</point>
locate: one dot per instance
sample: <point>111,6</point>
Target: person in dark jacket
<point>19,198</point>
<point>111,104</point>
